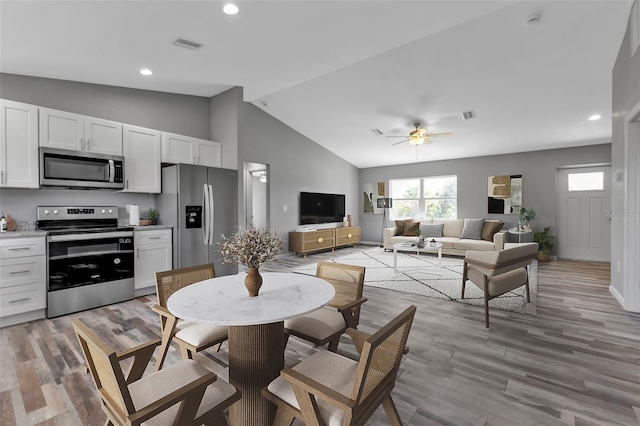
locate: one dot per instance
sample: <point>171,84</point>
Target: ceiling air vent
<point>377,132</point>
<point>187,44</point>
<point>468,115</point>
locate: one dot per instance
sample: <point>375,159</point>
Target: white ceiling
<point>335,70</point>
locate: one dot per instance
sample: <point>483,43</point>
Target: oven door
<point>76,260</point>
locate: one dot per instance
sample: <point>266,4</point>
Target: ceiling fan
<point>419,136</point>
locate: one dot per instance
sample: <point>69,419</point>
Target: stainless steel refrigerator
<point>201,203</point>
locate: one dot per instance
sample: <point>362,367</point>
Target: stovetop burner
<point>78,220</point>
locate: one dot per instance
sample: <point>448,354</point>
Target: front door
<point>584,221</point>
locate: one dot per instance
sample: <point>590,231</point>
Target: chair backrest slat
<point>105,369</point>
<point>348,281</point>
<point>168,282</point>
<point>381,355</point>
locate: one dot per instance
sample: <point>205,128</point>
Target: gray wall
<point>182,114</point>
<point>224,125</point>
<point>626,94</point>
<point>296,164</point>
<point>538,170</point>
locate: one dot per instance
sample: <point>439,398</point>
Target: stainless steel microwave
<point>73,169</point>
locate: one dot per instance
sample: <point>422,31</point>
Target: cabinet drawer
<point>11,248</point>
<point>26,298</point>
<point>320,243</point>
<point>143,238</point>
<point>317,236</point>
<point>349,232</point>
<point>23,270</point>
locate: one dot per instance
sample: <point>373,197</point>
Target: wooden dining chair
<point>331,389</point>
<point>183,394</point>
<point>327,324</point>
<point>191,337</point>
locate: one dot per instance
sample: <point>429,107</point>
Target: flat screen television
<point>318,208</point>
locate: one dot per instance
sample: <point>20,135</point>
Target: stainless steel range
<point>89,258</point>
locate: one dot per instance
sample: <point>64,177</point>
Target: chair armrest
<point>499,239</point>
<point>351,305</point>
<point>194,389</point>
<point>347,312</point>
<point>141,356</point>
<point>317,389</point>
<point>161,310</point>
<point>358,338</point>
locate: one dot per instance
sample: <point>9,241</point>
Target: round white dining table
<point>256,329</point>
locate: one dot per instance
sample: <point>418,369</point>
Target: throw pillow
<point>411,229</point>
<point>400,226</point>
<point>491,228</point>
<point>427,230</point>
<point>472,229</point>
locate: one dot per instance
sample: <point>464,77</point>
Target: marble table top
<point>226,301</point>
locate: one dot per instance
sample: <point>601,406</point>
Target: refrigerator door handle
<point>211,215</point>
<point>205,222</point>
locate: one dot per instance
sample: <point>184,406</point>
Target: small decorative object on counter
<point>421,242</point>
<point>432,243</point>
<point>11,223</point>
<point>251,247</point>
<point>152,214</point>
<point>345,223</point>
<point>3,224</point>
<point>349,222</point>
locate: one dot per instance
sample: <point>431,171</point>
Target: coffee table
<point>411,247</point>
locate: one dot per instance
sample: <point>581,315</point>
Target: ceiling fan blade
<point>431,135</point>
<point>395,136</point>
<point>427,141</point>
<point>398,143</point>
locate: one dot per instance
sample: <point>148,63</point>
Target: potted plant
<point>526,216</point>
<point>545,242</point>
<point>152,214</point>
<point>251,247</point>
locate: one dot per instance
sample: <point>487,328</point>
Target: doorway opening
<point>256,209</point>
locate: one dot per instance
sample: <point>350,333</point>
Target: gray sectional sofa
<point>451,240</point>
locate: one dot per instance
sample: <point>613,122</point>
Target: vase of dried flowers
<point>251,247</point>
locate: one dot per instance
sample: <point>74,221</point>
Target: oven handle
<point>96,236</point>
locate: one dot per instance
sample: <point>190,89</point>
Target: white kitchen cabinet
<point>153,254</point>
<point>141,150</point>
<point>66,130</point>
<point>178,149</point>
<point>18,145</point>
<point>22,280</point>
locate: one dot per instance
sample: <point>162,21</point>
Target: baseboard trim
<point>617,295</point>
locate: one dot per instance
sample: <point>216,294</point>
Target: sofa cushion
<point>452,227</point>
<point>491,228</point>
<point>427,230</point>
<point>464,244</point>
<point>472,229</point>
<point>447,242</point>
<point>411,229</point>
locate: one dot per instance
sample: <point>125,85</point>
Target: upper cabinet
<point>188,150</point>
<point>18,145</point>
<point>141,149</point>
<point>65,130</point>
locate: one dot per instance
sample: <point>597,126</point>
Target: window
<point>432,197</point>
<point>586,181</point>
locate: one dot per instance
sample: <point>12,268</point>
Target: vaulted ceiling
<point>336,70</point>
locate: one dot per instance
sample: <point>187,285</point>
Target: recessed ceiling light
<point>534,20</point>
<point>230,9</point>
<point>146,71</point>
<point>595,117</point>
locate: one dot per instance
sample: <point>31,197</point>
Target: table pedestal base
<point>256,356</point>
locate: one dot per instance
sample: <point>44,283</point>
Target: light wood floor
<point>577,362</point>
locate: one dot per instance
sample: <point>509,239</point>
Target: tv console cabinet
<point>323,239</point>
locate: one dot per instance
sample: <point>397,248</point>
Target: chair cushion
<point>169,379</point>
<point>332,370</point>
<point>472,229</point>
<point>197,334</point>
<point>319,324</point>
<point>499,284</point>
<point>491,228</point>
<point>427,230</point>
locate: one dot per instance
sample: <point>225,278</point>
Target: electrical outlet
<point>284,208</point>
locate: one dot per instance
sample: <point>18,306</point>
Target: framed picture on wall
<point>504,194</point>
<point>371,192</point>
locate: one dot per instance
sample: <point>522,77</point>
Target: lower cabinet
<point>23,290</point>
<point>153,253</point>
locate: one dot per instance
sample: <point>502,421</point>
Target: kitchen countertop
<point>151,227</point>
<point>23,234</point>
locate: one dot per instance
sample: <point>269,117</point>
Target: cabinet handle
<point>198,159</point>
<point>2,177</point>
<point>20,300</point>
<point>19,272</point>
<point>81,144</point>
<point>138,253</point>
<point>19,248</point>
<point>155,238</point>
<point>88,144</point>
<point>127,184</point>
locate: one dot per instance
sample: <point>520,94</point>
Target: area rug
<point>421,275</point>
